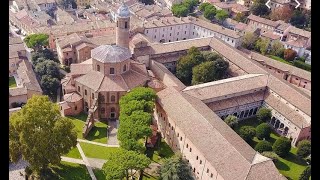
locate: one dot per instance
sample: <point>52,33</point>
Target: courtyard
<point>290,166</point>
<point>12,82</point>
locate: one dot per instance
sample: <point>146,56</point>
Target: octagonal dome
<point>123,11</point>
<point>110,53</point>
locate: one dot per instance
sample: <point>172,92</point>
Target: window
<point>177,39</point>
<point>147,31</point>
<point>155,37</point>
<point>98,68</point>
<point>211,175</point>
<point>178,33</point>
<point>111,70</point>
<point>185,32</point>
<point>200,161</point>
<point>125,25</point>
<point>190,149</point>
<point>197,157</point>
<point>169,40</point>
<point>85,92</point>
<point>297,79</point>
<point>169,125</point>
<point>207,170</point>
<point>162,35</point>
<point>187,145</point>
<point>102,98</point>
<point>78,88</point>
<point>102,110</point>
<point>180,138</point>
<point>75,108</point>
<point>155,30</point>
<point>124,68</point>
<point>113,98</point>
<point>194,169</point>
<point>178,135</point>
<point>170,28</point>
<point>92,95</point>
<point>170,34</point>
<point>193,33</point>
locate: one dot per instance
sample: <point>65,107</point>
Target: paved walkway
<point>96,163</point>
<point>16,170</point>
<point>93,177</point>
<point>96,143</point>
<point>72,160</point>
<point>112,133</point>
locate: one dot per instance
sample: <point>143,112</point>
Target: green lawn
<point>68,171</point>
<point>74,153</point>
<point>159,153</point>
<point>279,59</point>
<point>96,151</point>
<point>12,82</point>
<point>290,166</point>
<point>97,134</point>
<point>99,174</point>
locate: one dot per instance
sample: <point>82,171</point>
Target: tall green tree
<point>211,56</point>
<point>277,49</point>
<point>240,17</point>
<point>249,40</point>
<point>203,6</point>
<point>282,146</point>
<point>247,133</point>
<point>232,121</point>
<point>40,134</point>
<point>259,9</point>
<point>37,41</point>
<point>298,19</point>
<point>123,164</point>
<point>175,168</point>
<point>306,173</point>
<point>221,15</point>
<point>49,68</point>
<point>179,10</point>
<point>262,45</point>
<point>264,114</point>
<point>49,85</point>
<point>209,12</point>
<point>203,73</point>
<point>221,68</point>
<point>304,149</point>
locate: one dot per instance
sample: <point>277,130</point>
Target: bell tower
<point>123,26</point>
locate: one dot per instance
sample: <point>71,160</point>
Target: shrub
<point>304,149</point>
<point>302,65</point>
<point>271,155</point>
<point>232,121</point>
<point>282,146</point>
<point>263,146</point>
<point>264,114</point>
<point>263,131</point>
<point>305,175</point>
<point>15,104</point>
<point>289,54</point>
<point>247,133</point>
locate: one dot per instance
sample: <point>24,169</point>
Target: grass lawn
<point>96,151</point>
<point>69,171</point>
<point>290,166</point>
<point>97,134</point>
<point>12,82</point>
<point>159,153</point>
<point>99,174</point>
<point>74,153</point>
<point>279,59</point>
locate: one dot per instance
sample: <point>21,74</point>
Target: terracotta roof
<point>103,40</point>
<point>227,87</point>
<point>270,35</point>
<point>282,25</point>
<point>72,97</point>
<point>83,45</point>
<point>15,40</point>
<point>240,26</point>
<point>87,79</point>
<point>281,66</point>
<point>300,32</point>
<point>263,171</point>
<point>262,20</point>
<point>27,76</point>
<point>286,111</point>
<point>110,53</point>
<point>232,156</point>
<point>296,43</point>
<point>18,91</point>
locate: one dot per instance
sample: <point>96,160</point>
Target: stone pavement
<point>93,177</point>
<point>96,143</point>
<point>112,133</point>
<point>72,160</point>
<point>16,170</point>
<point>96,163</point>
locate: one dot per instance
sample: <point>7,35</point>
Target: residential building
<point>17,52</point>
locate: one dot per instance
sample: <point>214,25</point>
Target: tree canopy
<point>304,149</point>
<point>247,133</point>
<point>37,41</point>
<point>281,13</point>
<point>121,163</point>
<point>263,146</point>
<point>264,114</point>
<point>175,168</point>
<point>298,19</point>
<point>40,134</point>
<point>49,85</point>
<point>240,17</point>
<point>262,45</point>
<point>203,73</point>
<point>277,49</point>
<point>289,54</point>
<point>203,6</point>
<point>232,121</point>
<point>263,130</point>
<point>249,40</point>
<point>305,175</point>
<point>221,15</point>
<point>259,9</point>
<point>49,68</point>
<point>184,8</point>
<point>209,12</point>
<point>282,146</point>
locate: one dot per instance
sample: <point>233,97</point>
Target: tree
<point>232,121</point>
<point>282,13</point>
<point>221,15</point>
<point>220,68</point>
<point>277,49</point>
<point>247,133</point>
<point>282,146</point>
<point>37,41</point>
<point>122,164</point>
<point>49,68</point>
<point>203,6</point>
<point>271,155</point>
<point>179,10</point>
<point>240,17</point>
<point>264,114</point>
<point>259,9</point>
<point>175,168</point>
<point>249,39</point>
<point>190,4</point>
<point>289,54</point>
<point>262,45</point>
<point>209,12</point>
<point>49,85</point>
<point>211,56</point>
<point>263,146</point>
<point>203,73</point>
<point>304,149</point>
<point>298,19</point>
<point>40,134</point>
<point>263,131</point>
<point>306,173</point>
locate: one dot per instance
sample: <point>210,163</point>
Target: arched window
<point>102,98</point>
<point>125,25</point>
<point>98,68</point>
<point>112,112</point>
<point>111,70</point>
<point>103,110</point>
<point>125,68</point>
<point>113,98</point>
<point>85,92</point>
<point>92,95</point>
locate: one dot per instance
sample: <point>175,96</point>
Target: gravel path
<point>16,171</point>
